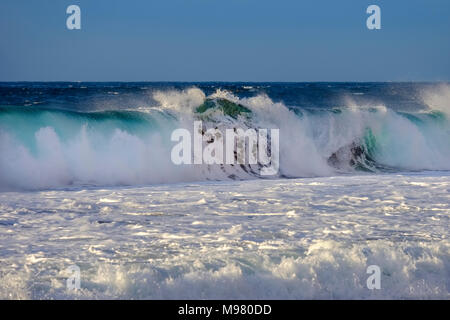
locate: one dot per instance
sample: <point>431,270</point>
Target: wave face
<point>61,135</point>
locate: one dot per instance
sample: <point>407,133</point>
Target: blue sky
<point>225,40</point>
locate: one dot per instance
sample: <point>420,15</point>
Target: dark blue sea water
<point>83,96</point>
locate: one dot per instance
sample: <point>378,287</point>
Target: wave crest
<point>52,148</point>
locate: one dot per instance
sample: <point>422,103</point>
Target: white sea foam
<point>181,101</point>
<point>270,239</point>
<point>438,98</point>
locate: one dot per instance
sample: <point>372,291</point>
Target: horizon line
<point>222,81</point>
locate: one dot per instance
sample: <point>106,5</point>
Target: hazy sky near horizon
<point>225,40</point>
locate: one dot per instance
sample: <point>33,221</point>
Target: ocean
<point>87,180</point>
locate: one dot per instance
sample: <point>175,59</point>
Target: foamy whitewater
<point>86,179</point>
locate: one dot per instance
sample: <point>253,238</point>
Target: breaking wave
<point>47,148</point>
